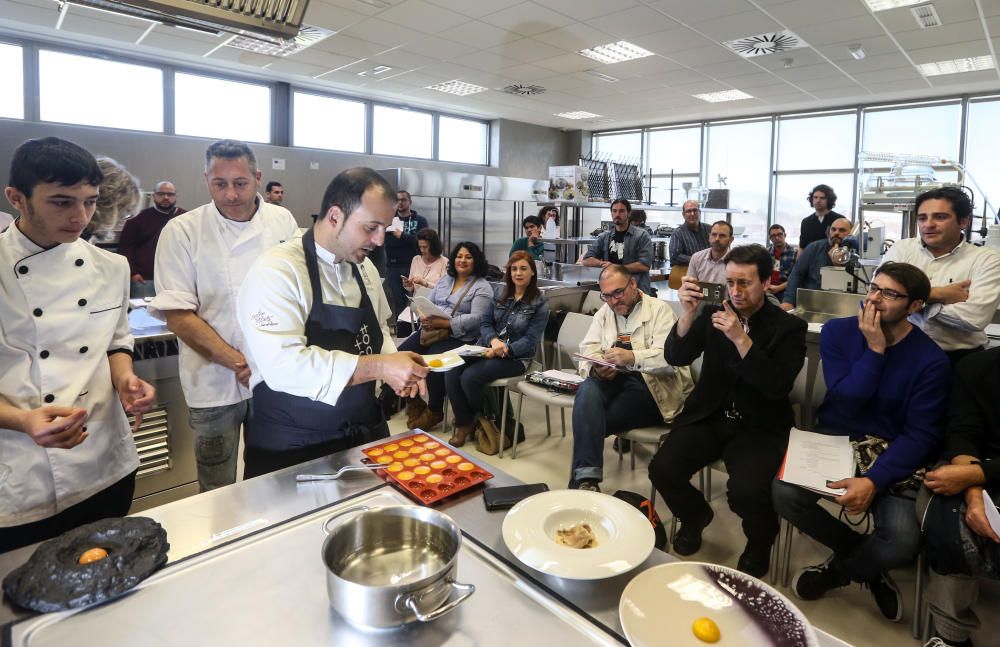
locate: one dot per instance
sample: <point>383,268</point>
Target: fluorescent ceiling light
<point>375,71</point>
<point>857,52</point>
<point>460,88</point>
<point>957,66</point>
<point>615,52</point>
<point>578,114</point>
<point>885,5</point>
<point>725,95</point>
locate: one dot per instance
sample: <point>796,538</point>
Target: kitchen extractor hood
<point>274,21</point>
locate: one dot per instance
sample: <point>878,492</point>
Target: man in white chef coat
<point>314,316</point>
<point>201,261</point>
<point>67,456</point>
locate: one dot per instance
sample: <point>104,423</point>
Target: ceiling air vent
<point>272,20</point>
<point>926,16</point>
<point>523,90</point>
<point>764,44</point>
<point>308,35</point>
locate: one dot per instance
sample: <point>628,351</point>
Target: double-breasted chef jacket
<point>62,311</point>
<point>202,259</point>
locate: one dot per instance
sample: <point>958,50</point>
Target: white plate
<point>449,362</point>
<point>666,600</point>
<point>624,535</point>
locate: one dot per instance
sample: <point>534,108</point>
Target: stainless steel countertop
<point>201,522</point>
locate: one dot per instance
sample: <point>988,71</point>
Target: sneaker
<point>624,443</point>
<point>938,641</point>
<point>756,559</point>
<point>688,539</point>
<point>588,485</point>
<point>887,597</point>
<point>812,582</point>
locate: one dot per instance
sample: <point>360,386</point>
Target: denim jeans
<point>894,542</point>
<point>602,408</point>
<point>466,384</point>
<point>217,441</point>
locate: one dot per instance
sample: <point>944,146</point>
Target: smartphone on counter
<point>501,498</point>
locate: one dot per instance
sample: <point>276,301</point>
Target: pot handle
<point>468,589</point>
<point>357,508</point>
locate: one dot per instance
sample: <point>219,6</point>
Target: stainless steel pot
<point>392,565</point>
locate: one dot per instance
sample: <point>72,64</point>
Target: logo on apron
<point>363,342</point>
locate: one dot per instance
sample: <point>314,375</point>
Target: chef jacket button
<point>37,312</point>
<point>49,398</point>
<point>81,302</point>
<point>79,262</point>
<point>83,349</point>
<point>23,269</point>
<point>44,354</point>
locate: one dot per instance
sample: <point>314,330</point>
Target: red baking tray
<point>425,468</point>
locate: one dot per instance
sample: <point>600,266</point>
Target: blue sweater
<point>900,396</point>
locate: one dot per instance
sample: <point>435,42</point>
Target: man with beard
<point>887,382</point>
<point>314,315</point>
<point>819,254</point>
<point>201,261</point>
<point>814,226</point>
<point>141,233</point>
<point>624,244</point>
<point>707,265</point>
<point>690,237</point>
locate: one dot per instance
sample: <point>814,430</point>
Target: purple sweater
<point>139,237</point>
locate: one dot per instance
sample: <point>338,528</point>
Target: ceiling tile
<point>834,82</point>
<point>323,14</point>
<point>649,66</point>
<point>381,32</point>
<point>478,34</point>
<point>359,6</point>
<point>325,60</point>
<point>439,48</point>
<point>728,69</point>
<point>840,30</point>
<point>843,95</point>
<point>803,13</point>
<point>944,35</point>
<point>564,82</point>
<point>820,71</point>
<point>422,16</point>
<point>679,77</point>
<point>573,38</point>
<point>527,19</point>
<point>527,50</point>
<point>176,40</point>
<point>288,66</point>
<point>587,9</point>
<point>872,63</point>
<point>349,46</point>
<point>628,24</point>
<point>488,61</point>
<point>527,72</point>
<point>402,59</point>
<point>876,46</point>
<point>243,57</point>
<point>740,25</point>
<point>475,9</point>
<point>967,77</point>
<point>885,75</point>
<point>677,39</point>
<point>704,55</point>
<point>103,25</point>
<point>692,12</point>
<point>800,58</point>
<point>948,52</point>
<point>44,14</point>
<point>418,79</point>
<point>571,63</point>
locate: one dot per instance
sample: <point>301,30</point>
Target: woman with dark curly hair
<point>512,330</point>
<point>463,293</point>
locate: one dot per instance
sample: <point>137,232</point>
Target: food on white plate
<point>706,630</point>
<point>579,536</point>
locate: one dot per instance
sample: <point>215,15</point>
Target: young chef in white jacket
<point>314,315</point>
<point>201,260</point>
<point>65,347</point>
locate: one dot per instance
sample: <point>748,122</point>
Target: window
<point>462,140</point>
<point>924,130</point>
<point>823,142</point>
<point>741,154</point>
<point>981,159</point>
<point>677,150</point>
<point>621,147</point>
<point>791,202</point>
<point>68,92</point>
<point>219,109</point>
<point>12,96</point>
<point>324,122</point>
<point>406,133</point>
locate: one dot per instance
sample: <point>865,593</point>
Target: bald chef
<point>66,450</point>
<point>314,315</point>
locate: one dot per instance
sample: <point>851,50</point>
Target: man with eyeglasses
<point>807,271</point>
<point>887,382</point>
<point>965,279</point>
<point>739,410</point>
<point>142,232</point>
<point>633,385</point>
<point>624,245</point>
<point>690,237</point>
<point>201,261</point>
<point>784,259</point>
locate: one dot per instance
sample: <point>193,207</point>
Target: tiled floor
<point>849,613</point>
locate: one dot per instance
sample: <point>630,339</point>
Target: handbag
<point>487,437</point>
<point>428,337</point>
<point>552,383</point>
<point>867,451</point>
<point>952,547</point>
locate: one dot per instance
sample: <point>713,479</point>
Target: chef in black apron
<point>286,428</point>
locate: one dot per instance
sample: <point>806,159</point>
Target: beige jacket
<point>669,385</point>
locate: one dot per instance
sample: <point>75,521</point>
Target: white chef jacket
<point>61,311</point>
<point>273,307</point>
<point>959,325</point>
<point>196,270</point>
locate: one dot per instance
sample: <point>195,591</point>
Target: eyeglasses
<point>613,296</point>
<point>887,293</point>
<point>164,194</point>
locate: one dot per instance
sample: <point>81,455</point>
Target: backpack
<point>645,506</point>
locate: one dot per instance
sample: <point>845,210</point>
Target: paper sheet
<point>992,515</point>
<point>469,350</point>
<point>814,459</point>
<point>424,307</point>
<point>397,225</point>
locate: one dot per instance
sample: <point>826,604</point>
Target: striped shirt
<point>684,243</point>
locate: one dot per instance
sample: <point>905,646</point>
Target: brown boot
<point>427,420</point>
<point>462,433</point>
<point>414,408</point>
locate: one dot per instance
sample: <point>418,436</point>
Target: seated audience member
<point>806,273</point>
<point>739,409</point>
<point>784,259</point>
<point>640,391</point>
<point>530,242</point>
<point>512,329</point>
<point>637,218</point>
<point>465,295</point>
<point>426,269</point>
<point>965,279</point>
<point>961,545</point>
<point>709,265</point>
<point>887,383</point>
<point>624,245</point>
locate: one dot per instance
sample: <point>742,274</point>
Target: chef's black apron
<point>287,429</point>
